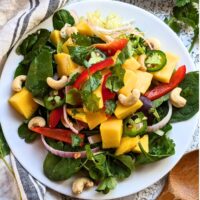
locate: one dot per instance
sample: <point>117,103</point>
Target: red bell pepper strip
<point>55,117</point>
<point>62,135</point>
<point>106,93</point>
<point>94,68</point>
<point>164,88</point>
<point>112,47</point>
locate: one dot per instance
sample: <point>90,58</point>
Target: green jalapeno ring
<point>155,60</point>
<point>134,127</point>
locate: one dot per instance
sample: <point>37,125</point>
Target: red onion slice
<point>67,123</point>
<point>66,154</point>
<point>163,122</point>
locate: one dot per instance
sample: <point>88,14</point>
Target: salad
<point>101,97</point>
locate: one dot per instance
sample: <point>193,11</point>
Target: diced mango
<point>95,118</point>
<point>98,93</point>
<point>130,80</point>
<point>131,63</point>
<point>77,113</point>
<point>143,81</point>
<point>23,103</point>
<point>111,132</point>
<point>84,28</point>
<point>144,141</point>
<point>69,42</point>
<point>126,145</point>
<point>55,37</point>
<point>65,65</point>
<point>164,75</point>
<point>122,112</point>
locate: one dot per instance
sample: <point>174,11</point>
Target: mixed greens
<point>100,95</point>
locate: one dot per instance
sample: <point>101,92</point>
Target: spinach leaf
<point>159,147</point>
<point>4,148</point>
<point>73,97</point>
<point>40,69</point>
<point>59,169</point>
<point>62,17</point>
<point>81,40</point>
<point>110,107</point>
<point>80,53</point>
<point>25,133</point>
<point>190,91</point>
<point>21,70</point>
<point>33,41</point>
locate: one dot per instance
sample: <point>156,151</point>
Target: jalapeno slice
<point>53,101</point>
<point>135,125</point>
<point>155,60</point>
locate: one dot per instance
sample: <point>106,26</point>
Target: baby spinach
<point>59,169</point>
<point>4,148</point>
<point>190,91</point>
<point>109,183</point>
<point>40,69</point>
<point>159,147</point>
<point>21,70</point>
<point>62,17</point>
<point>25,133</point>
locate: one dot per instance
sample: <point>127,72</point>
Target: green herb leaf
<point>156,103</point>
<point>110,107</point>
<point>93,82</point>
<point>173,24</point>
<point>59,169</point>
<point>181,3</point>
<point>73,97</point>
<point>80,53</point>
<point>72,79</point>
<point>26,134</point>
<point>107,184</point>
<point>190,91</point>
<point>116,81</point>
<point>4,148</point>
<point>76,140</point>
<point>81,40</point>
<point>62,17</point>
<point>40,69</point>
<point>90,101</point>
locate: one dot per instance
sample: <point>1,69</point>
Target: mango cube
<point>55,37</point>
<point>130,79</point>
<point>126,145</point>
<point>23,103</point>
<point>131,64</point>
<point>164,75</point>
<point>144,141</point>
<point>111,132</point>
<point>69,42</point>
<point>143,81</point>
<point>77,113</point>
<point>95,118</point>
<point>65,65</point>
<point>122,112</point>
<point>84,28</point>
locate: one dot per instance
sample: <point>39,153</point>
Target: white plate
<point>31,156</point>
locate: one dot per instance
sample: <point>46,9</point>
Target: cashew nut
<point>17,83</point>
<point>176,99</point>
<point>153,43</point>
<point>57,84</point>
<point>68,30</point>
<point>131,99</point>
<point>141,60</point>
<point>36,121</point>
<point>80,184</point>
